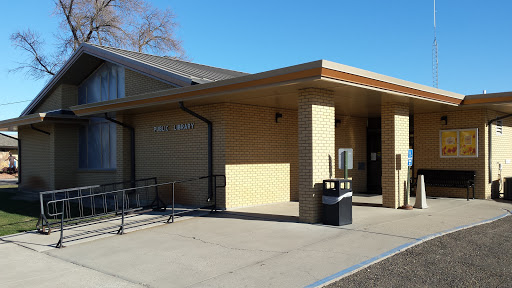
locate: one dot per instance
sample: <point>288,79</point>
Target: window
<point>97,145</point>
<point>104,84</point>
<point>97,141</point>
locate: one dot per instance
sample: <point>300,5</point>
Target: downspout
<point>210,147</point>
<point>132,148</point>
<point>490,142</point>
<point>19,155</point>
<point>39,130</point>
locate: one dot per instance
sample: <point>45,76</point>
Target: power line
<point>3,104</point>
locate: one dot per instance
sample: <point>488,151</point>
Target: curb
<point>345,272</point>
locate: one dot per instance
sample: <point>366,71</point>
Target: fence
<point>71,206</point>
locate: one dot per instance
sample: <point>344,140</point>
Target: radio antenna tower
<point>435,60</point>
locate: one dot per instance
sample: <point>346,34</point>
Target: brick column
<point>395,142</point>
<point>316,149</point>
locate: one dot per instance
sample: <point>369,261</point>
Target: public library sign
<point>165,128</point>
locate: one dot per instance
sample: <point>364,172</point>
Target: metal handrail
<point>66,202</point>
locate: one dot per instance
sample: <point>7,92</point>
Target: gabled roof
<point>198,72</point>
<point>176,72</point>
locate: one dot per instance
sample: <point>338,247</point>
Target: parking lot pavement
<point>480,256</point>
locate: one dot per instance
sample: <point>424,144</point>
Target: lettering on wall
<point>160,128</point>
<point>184,126</point>
<point>177,127</point>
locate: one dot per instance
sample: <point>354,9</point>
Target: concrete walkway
<point>241,248</point>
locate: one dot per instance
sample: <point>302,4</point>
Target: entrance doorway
<point>374,156</point>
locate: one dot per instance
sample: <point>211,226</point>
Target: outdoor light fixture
<point>445,119</point>
<point>337,122</point>
<point>278,115</point>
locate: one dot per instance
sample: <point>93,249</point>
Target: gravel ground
<point>480,256</point>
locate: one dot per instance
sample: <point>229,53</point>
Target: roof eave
<point>313,70</point>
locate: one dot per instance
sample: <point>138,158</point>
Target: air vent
<point>499,127</point>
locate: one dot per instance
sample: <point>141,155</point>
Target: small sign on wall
<point>185,126</point>
<point>160,128</point>
<point>341,158</point>
<point>177,127</point>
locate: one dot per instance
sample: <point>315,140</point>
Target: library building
<point>111,115</point>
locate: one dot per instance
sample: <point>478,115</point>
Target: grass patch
<point>16,215</point>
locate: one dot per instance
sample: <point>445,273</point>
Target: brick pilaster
<point>395,142</point>
<point>316,149</point>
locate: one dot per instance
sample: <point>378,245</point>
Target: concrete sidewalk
<point>241,248</point>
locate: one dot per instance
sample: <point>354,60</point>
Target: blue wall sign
<point>409,157</point>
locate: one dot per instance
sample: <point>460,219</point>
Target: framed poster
<point>468,146</point>
<point>448,143</point>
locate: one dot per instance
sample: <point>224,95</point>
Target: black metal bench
<point>449,178</point>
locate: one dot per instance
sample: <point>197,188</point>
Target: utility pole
<point>435,60</point>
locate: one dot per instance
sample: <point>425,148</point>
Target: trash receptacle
<point>507,190</point>
<point>337,200</point>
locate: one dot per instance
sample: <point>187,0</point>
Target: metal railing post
<point>60,243</point>
<point>172,202</point>
<point>215,193</point>
<point>172,205</point>
<point>121,229</point>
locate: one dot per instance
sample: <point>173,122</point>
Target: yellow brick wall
<point>178,155</point>
<point>501,151</point>
<point>351,133</point>
<point>261,155</point>
<point>395,144</point>
<point>63,97</point>
<point>257,155</point>
<point>36,159</point>
<point>65,150</point>
<point>136,83</point>
<point>316,149</point>
<point>427,153</point>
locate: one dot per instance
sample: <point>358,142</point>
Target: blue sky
<point>388,37</point>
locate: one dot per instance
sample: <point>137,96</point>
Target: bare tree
<point>37,63</point>
<point>154,31</point>
<point>129,24</point>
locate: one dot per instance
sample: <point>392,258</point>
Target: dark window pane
<point>113,147</point>
<point>93,89</point>
<point>104,84</point>
<point>105,159</point>
<point>82,94</point>
<point>112,84</point>
<point>93,143</point>
<point>82,147</point>
<point>120,82</point>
